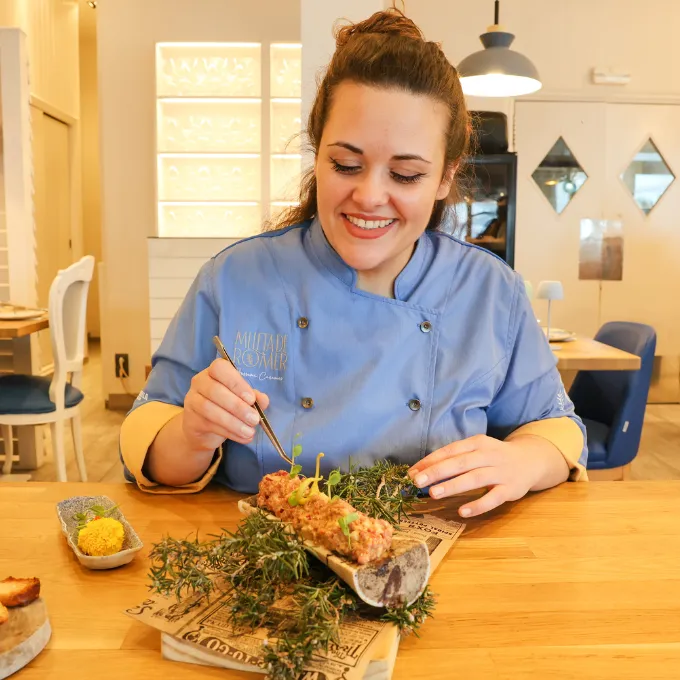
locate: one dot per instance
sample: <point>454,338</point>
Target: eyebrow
<point>398,157</point>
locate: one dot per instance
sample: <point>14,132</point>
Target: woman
<point>357,323</point>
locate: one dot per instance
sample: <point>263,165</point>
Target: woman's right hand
<point>219,406</point>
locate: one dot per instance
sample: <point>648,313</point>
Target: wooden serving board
<point>23,637</point>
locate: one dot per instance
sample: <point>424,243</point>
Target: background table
<point>23,327</point>
<point>586,354</point>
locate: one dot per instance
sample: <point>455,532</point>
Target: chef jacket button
<point>414,404</point>
<point>303,322</point>
<point>307,402</point>
<point>426,326</point>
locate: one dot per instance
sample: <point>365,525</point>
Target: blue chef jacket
<point>457,352</point>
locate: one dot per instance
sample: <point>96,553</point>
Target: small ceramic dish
<point>66,511</point>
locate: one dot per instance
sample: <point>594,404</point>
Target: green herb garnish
<point>295,469</point>
<point>383,491</point>
<point>333,479</point>
<point>83,518</point>
<point>344,523</point>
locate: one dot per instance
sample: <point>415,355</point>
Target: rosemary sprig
<point>409,618</point>
<point>261,564</point>
<point>383,490</point>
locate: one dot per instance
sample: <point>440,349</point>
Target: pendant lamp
<point>498,71</point>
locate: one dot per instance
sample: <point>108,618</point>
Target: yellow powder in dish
<point>103,536</point>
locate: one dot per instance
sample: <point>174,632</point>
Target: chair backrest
<point>618,398</point>
<point>67,311</point>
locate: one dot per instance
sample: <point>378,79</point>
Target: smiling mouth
<point>369,225</point>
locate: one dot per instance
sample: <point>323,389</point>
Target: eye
<point>345,169</point>
<point>407,179</point>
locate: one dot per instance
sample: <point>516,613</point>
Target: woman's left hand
<point>508,468</point>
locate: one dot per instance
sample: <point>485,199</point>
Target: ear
<point>447,181</point>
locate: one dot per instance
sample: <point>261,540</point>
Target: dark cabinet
<point>485,213</point>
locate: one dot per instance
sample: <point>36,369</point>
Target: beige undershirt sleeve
<point>137,433</point>
<point>566,435</point>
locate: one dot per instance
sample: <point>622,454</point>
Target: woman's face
<point>379,170</point>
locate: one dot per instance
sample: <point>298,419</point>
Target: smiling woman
<point>389,129</point>
<point>395,340</point>
<point>375,194</point>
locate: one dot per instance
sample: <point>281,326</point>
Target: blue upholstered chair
<point>34,400</point>
<point>612,403</point>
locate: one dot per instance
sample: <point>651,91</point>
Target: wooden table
<point>578,582</point>
<point>23,327</point>
<point>585,354</point>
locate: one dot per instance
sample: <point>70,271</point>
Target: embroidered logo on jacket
<point>261,355</point>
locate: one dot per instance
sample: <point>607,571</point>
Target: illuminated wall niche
<point>212,111</point>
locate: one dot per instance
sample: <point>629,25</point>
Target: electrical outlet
<point>122,361</point>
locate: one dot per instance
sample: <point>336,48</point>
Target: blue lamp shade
<point>498,71</point>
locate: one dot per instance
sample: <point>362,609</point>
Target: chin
<point>359,259</point>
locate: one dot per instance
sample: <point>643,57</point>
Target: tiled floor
<point>658,458</point>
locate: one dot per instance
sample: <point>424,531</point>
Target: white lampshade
<point>550,290</point>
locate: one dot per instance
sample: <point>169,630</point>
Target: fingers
<point>456,448</point>
<point>494,498</point>
<point>212,418</point>
<point>262,399</point>
<point>454,466</point>
<point>220,403</point>
<point>223,372</point>
<point>470,481</point>
<point>227,388</point>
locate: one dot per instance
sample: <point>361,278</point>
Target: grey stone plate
<point>66,511</point>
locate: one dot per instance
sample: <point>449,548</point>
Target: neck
<point>380,281</point>
<point>377,285</point>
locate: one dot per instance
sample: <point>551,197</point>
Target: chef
<point>365,331</point>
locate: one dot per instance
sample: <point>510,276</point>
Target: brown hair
<point>387,50</point>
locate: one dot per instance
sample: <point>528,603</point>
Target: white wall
<point>127,31</point>
<point>565,40</point>
<point>317,23</point>
<point>91,179</point>
<point>51,30</point>
<point>51,27</point>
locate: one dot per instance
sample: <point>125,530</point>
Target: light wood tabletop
<point>586,354</point>
<point>23,327</point>
<point>581,581</point>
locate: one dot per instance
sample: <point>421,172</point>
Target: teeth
<point>368,224</point>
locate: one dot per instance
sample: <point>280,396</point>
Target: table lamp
<point>549,290</point>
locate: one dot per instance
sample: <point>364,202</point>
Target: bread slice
<point>4,614</point>
<point>16,592</point>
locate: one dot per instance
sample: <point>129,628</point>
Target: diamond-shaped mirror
<point>559,176</point>
<point>647,177</point>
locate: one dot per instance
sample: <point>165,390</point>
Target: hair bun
<point>388,22</point>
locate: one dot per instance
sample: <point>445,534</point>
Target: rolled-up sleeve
<point>186,349</point>
<point>532,399</point>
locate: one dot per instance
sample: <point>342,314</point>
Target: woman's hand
<point>509,469</point>
<point>219,406</point>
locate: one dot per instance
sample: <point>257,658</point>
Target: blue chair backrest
<point>618,398</point>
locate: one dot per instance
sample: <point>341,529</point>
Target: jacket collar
<point>405,284</point>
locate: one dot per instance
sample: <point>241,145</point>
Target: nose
<point>370,190</point>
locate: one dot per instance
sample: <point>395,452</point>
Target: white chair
<point>34,400</point>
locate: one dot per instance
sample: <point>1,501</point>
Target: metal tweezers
<point>265,423</point>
